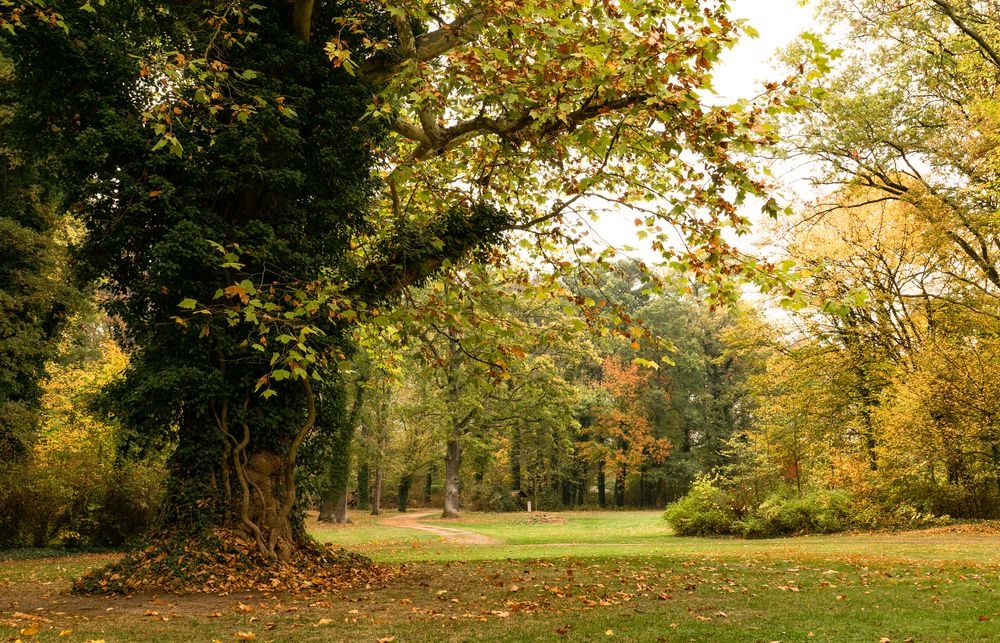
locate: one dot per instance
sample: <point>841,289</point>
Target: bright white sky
<point>779,22</point>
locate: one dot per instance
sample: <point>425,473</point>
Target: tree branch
<point>427,46</point>
<point>949,11</point>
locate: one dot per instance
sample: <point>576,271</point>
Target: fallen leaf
<point>31,630</point>
<point>246,609</point>
<point>609,633</point>
<point>66,633</point>
<point>324,621</point>
<point>386,639</point>
<point>245,636</point>
<point>983,617</point>
<point>151,613</point>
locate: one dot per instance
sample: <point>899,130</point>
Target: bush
<point>710,510</point>
<point>784,514</point>
<point>706,510</point>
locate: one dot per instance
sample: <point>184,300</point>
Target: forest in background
<point>862,393</point>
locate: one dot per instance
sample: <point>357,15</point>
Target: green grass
<point>365,534</point>
<point>583,527</point>
<point>596,576</point>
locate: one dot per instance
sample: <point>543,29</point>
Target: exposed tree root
<point>225,562</point>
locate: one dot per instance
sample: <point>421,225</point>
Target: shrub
<point>710,510</point>
<point>706,510</point>
<point>783,514</point>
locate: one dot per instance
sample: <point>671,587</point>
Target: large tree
<point>337,153</point>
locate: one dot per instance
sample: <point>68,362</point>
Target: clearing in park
<point>579,576</point>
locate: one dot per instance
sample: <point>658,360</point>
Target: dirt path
<point>451,534</point>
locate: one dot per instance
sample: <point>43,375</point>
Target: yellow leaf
<point>31,630</point>
<point>245,636</point>
<point>66,633</point>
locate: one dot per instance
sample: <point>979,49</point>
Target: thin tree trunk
<point>428,486</point>
<point>602,492</point>
<point>452,463</point>
<point>515,458</point>
<point>377,493</point>
<point>363,491</point>
<point>620,487</point>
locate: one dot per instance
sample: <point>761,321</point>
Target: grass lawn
<point>572,576</point>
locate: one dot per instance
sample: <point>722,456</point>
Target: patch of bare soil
<point>450,534</point>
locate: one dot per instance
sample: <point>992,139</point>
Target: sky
<point>779,22</point>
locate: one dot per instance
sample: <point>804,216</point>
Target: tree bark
<point>620,487</point>
<point>404,492</point>
<point>602,492</point>
<point>363,490</point>
<point>327,505</point>
<point>515,458</point>
<point>452,464</point>
<point>302,18</point>
<point>428,486</point>
<point>340,516</point>
<point>377,493</point>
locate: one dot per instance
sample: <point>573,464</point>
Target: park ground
<point>578,576</point>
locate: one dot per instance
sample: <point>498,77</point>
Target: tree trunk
<point>363,490</point>
<point>340,516</point>
<point>377,493</point>
<point>515,458</point>
<point>452,463</point>
<point>428,486</point>
<point>256,497</point>
<point>404,492</point>
<point>602,493</point>
<point>620,487</point>
<point>327,505</point>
